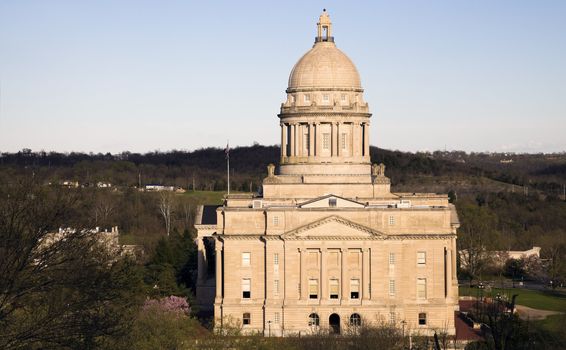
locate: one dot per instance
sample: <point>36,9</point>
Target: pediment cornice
<point>363,232</point>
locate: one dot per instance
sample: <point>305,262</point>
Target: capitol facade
<point>327,246</point>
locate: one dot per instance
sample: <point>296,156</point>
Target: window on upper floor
<point>307,98</point>
<point>246,258</point>
<point>354,289</point>
<point>392,287</point>
<point>331,202</point>
<point>391,259</point>
<point>343,140</point>
<point>391,220</point>
<point>276,287</point>
<point>275,220</point>
<point>246,288</point>
<point>421,288</point>
<point>326,140</point>
<point>275,258</point>
<point>325,98</point>
<point>421,258</point>
<point>313,289</point>
<point>334,287</point>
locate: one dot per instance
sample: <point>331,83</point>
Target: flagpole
<point>228,164</point>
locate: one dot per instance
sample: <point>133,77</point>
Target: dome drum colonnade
<point>324,121</point>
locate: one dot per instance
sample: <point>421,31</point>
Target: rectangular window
<point>334,288</point>
<point>326,140</point>
<point>307,98</point>
<point>391,220</point>
<point>276,287</point>
<point>276,259</point>
<point>343,97</point>
<point>421,258</point>
<point>391,258</point>
<point>354,289</point>
<point>276,317</point>
<point>422,319</point>
<point>421,288</point>
<point>246,288</point>
<point>246,257</point>
<point>276,221</point>
<point>343,140</point>
<point>331,202</point>
<point>246,319</point>
<point>313,289</point>
<point>392,317</point>
<point>392,287</point>
<point>325,98</point>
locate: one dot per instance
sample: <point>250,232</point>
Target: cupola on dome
<point>324,66</point>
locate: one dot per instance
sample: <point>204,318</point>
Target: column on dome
<point>366,140</point>
<point>292,140</point>
<point>338,139</point>
<point>317,140</point>
<point>311,140</point>
<point>356,139</point>
<point>283,141</point>
<point>333,127</point>
<point>296,136</point>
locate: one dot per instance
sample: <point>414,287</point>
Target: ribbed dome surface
<point>324,66</point>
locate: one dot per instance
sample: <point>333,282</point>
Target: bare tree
<point>103,210</point>
<point>166,202</point>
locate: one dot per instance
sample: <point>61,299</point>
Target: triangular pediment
<point>330,201</point>
<point>333,227</point>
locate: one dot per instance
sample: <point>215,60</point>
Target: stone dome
<point>324,66</point>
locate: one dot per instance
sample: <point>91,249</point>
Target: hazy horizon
<point>140,76</point>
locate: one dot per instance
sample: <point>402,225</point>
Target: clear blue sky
<point>108,76</point>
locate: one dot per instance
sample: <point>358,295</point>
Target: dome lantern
<point>324,28</point>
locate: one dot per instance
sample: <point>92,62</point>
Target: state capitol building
<point>327,245</point>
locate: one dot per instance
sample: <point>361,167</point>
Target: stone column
<point>356,139</point>
<point>292,131</point>
<point>201,260</point>
<point>365,273</point>
<point>448,272</point>
<point>218,250</point>
<point>343,275</point>
<point>283,141</point>
<point>311,139</point>
<point>323,278</point>
<point>338,139</point>
<point>296,136</point>
<point>302,253</point>
<point>317,140</point>
<point>366,140</point>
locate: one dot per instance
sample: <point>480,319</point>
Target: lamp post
<point>269,326</point>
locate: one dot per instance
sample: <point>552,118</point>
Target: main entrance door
<point>334,322</point>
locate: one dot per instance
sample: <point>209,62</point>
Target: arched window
<point>355,320</point>
<point>314,320</point>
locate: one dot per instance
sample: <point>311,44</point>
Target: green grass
<point>206,197</point>
<point>544,300</point>
<point>554,324</point>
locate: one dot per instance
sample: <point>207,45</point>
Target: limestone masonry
<point>327,246</point>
